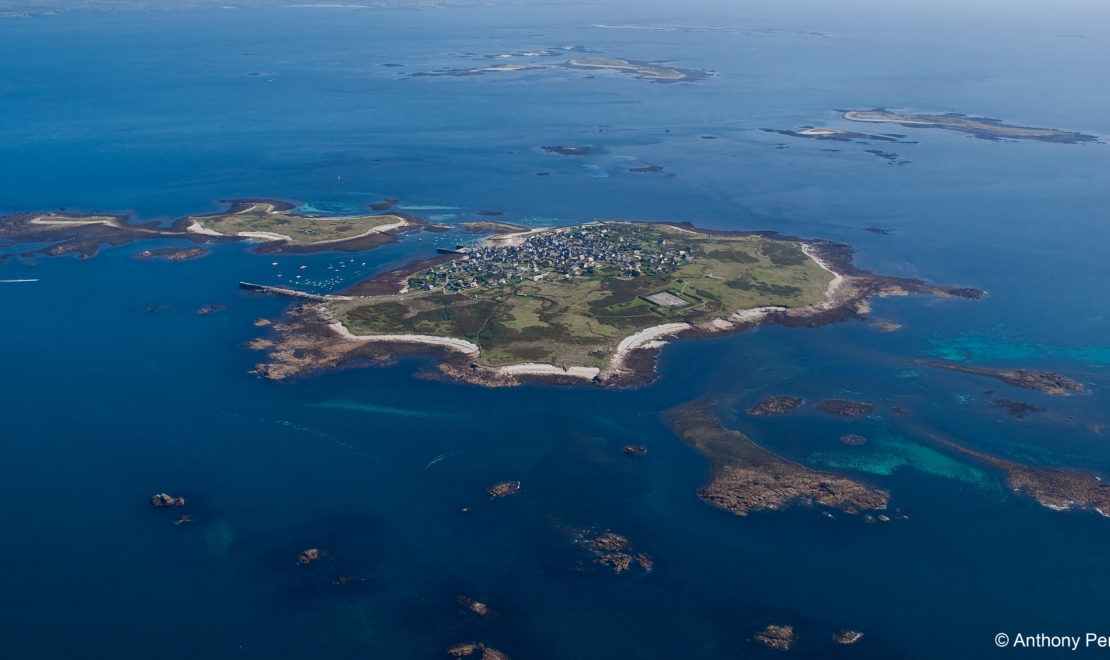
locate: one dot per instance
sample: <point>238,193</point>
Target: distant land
<point>272,223</point>
<point>650,71</point>
<point>589,302</point>
<point>983,128</point>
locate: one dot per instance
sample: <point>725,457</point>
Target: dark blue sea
<point>103,403</point>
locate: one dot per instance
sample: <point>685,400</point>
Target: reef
<point>853,439</point>
<point>780,638</point>
<point>845,408</point>
<point>385,204</point>
<point>211,309</point>
<point>1061,489</point>
<point>775,405</point>
<point>646,169</point>
<point>566,150</point>
<point>503,489</point>
<point>1045,382</point>
<point>1017,409</point>
<point>744,477</point>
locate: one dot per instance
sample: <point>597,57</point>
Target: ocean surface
<point>103,403</point>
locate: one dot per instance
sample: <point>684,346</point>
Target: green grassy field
<point>580,320</point>
<point>300,229</point>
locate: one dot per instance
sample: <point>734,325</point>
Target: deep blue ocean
<point>103,403</point>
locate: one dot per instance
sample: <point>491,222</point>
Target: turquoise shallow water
<point>105,403</point>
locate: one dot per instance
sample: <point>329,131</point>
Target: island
<point>1045,382</point>
<point>589,302</point>
<point>273,224</point>
<point>744,477</point>
<point>642,70</point>
<point>983,128</point>
<point>650,71</point>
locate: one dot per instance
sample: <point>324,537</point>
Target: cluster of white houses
<point>619,249</point>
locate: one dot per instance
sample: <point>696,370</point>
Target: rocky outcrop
<point>308,556</point>
<point>162,499</point>
<point>746,477</point>
<point>775,405</point>
<point>847,637</point>
<point>781,638</point>
<point>503,489</point>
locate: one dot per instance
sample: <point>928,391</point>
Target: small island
<point>983,128</point>
<point>744,477</point>
<point>273,224</point>
<point>642,70</point>
<point>589,302</point>
<point>1045,382</point>
<point>650,71</point>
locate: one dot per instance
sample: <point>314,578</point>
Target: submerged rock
<point>635,450</point>
<point>853,439</point>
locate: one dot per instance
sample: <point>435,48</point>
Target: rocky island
<point>983,128</point>
<point>1045,382</point>
<point>745,477</point>
<point>589,302</point>
<point>271,223</point>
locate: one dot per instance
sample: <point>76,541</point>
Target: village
<point>611,249</point>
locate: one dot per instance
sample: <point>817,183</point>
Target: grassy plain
<point>579,320</point>
<point>264,218</point>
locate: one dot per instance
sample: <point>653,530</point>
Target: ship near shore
<point>592,302</point>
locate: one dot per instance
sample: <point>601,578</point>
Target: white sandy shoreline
<point>648,338</point>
